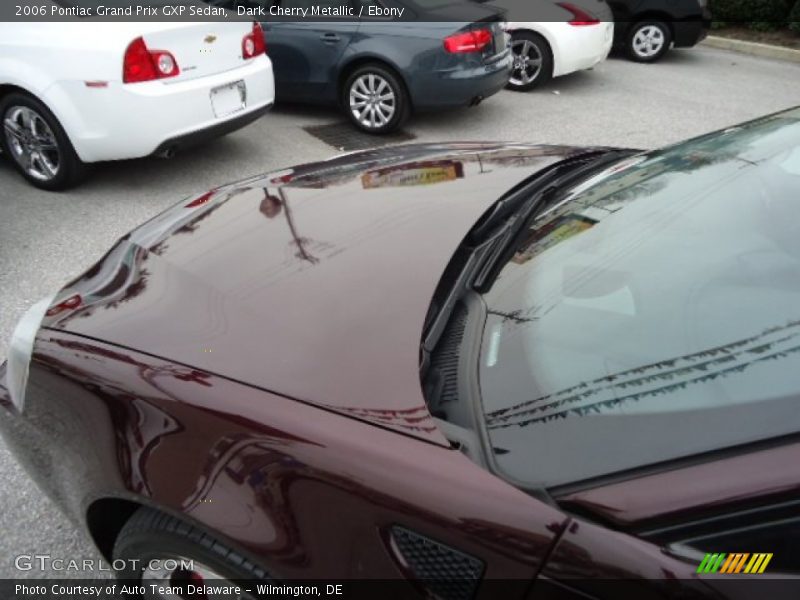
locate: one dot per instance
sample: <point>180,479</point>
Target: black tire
<point>638,53</point>
<point>523,43</point>
<point>400,103</point>
<point>152,535</point>
<point>69,168</point>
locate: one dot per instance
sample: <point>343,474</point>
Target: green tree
<point>762,15</point>
<point>794,18</point>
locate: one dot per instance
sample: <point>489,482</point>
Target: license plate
<point>228,99</point>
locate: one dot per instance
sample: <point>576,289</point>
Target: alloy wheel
<point>372,101</point>
<point>168,572</point>
<point>527,62</point>
<point>32,143</point>
<point>648,41</point>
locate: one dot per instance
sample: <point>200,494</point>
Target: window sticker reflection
<point>417,173</point>
<point>659,379</point>
<point>558,230</point>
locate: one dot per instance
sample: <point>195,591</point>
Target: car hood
<point>313,282</point>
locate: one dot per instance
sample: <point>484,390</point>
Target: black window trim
<point>676,464</point>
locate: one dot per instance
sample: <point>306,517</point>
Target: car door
<point>306,53</point>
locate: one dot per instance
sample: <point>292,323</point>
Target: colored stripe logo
<point>735,563</point>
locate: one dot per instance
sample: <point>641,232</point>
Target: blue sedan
<point>381,70</point>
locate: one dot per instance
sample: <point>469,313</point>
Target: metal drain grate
<point>344,136</point>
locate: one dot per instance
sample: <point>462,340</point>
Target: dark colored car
<point>442,365</point>
<point>646,29</point>
<point>378,70</point>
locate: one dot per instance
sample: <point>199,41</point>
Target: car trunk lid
<point>200,49</point>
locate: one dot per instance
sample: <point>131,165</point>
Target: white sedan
<point>578,37</point>
<point>78,93</point>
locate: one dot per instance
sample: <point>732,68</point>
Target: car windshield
<point>651,313</point>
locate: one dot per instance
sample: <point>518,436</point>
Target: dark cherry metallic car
<point>446,366</point>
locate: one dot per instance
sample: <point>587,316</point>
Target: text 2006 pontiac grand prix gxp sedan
<point>442,365</point>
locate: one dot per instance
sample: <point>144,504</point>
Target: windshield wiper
<point>489,243</point>
<point>520,194</point>
<point>473,260</point>
<point>526,203</point>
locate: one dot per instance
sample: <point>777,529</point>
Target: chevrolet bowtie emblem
<point>210,39</point>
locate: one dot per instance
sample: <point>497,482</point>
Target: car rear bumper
<point>690,33</point>
<point>122,121</point>
<point>461,86</point>
<point>186,140</point>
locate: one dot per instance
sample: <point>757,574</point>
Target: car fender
<point>109,426</point>
<point>547,33</point>
<point>38,83</point>
<point>351,59</point>
<point>409,51</point>
<point>65,105</point>
<point>24,75</point>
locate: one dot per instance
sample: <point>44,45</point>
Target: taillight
<point>469,41</point>
<point>253,43</point>
<point>579,16</point>
<point>143,64</point>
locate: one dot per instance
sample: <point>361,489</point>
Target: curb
<point>753,48</point>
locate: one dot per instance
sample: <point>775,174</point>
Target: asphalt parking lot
<point>46,239</point>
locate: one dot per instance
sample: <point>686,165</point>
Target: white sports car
<point>82,92</point>
<point>578,36</point>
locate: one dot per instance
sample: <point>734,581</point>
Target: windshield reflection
<point>654,307</point>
